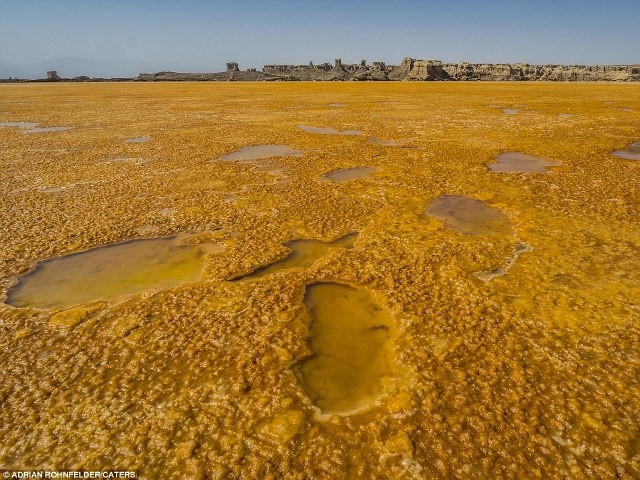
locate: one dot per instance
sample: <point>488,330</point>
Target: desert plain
<point>328,304</point>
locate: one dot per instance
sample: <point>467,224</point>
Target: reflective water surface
<point>25,125</point>
<point>468,216</point>
<point>631,153</point>
<point>519,162</point>
<point>351,354</point>
<point>111,272</point>
<point>47,129</point>
<point>32,127</point>
<point>328,131</point>
<point>346,174</point>
<point>259,152</point>
<point>143,139</point>
<point>304,253</point>
<point>384,143</point>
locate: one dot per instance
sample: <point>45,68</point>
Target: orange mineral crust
<point>242,281</point>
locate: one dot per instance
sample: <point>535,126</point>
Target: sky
<point>200,36</point>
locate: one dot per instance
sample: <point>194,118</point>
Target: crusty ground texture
<point>535,374</point>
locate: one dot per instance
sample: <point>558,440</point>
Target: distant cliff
<point>526,72</point>
<point>409,69</point>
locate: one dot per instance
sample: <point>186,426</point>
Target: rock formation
<point>409,69</point>
<point>414,70</point>
<point>426,70</point>
<point>527,72</point>
<point>327,72</point>
<point>338,73</point>
<point>429,70</point>
<point>401,71</point>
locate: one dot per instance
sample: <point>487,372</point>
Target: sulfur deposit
<point>513,353</point>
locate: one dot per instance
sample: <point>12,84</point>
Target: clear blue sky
<point>203,35</point>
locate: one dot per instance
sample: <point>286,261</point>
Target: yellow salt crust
<point>531,374</point>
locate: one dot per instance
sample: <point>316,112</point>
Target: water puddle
<point>304,253</point>
<point>31,127</point>
<point>260,152</point>
<point>112,272</point>
<point>351,358</point>
<point>488,275</point>
<point>19,124</point>
<point>385,143</point>
<point>329,131</point>
<point>47,129</point>
<point>54,189</point>
<point>521,163</point>
<point>566,115</point>
<point>346,174</point>
<point>468,216</point>
<point>337,105</point>
<point>510,111</point>
<point>631,153</point>
<point>144,139</point>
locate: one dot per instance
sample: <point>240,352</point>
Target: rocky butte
<point>409,69</point>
